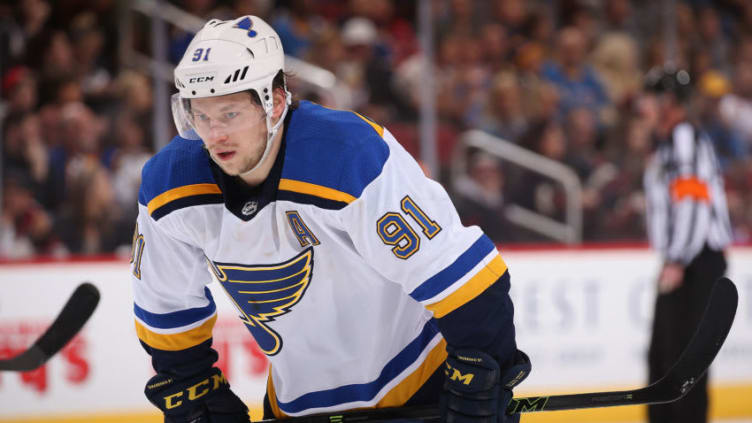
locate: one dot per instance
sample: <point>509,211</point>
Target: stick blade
<point>71,319</point>
<point>705,343</point>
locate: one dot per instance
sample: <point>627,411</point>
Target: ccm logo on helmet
<point>198,79</point>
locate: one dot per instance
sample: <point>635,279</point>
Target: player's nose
<point>217,135</point>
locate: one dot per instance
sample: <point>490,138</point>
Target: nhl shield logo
<point>249,208</point>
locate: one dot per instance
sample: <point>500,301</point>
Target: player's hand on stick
<point>477,390</point>
<point>202,398</point>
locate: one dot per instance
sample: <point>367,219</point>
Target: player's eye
<point>200,116</point>
<point>230,115</point>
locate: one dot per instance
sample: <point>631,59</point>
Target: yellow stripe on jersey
<point>272,395</point>
<point>315,190</point>
<point>181,192</point>
<point>379,129</point>
<point>176,341</point>
<point>471,289</point>
<point>411,384</point>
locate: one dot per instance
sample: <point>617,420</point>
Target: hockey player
<point>348,266</point>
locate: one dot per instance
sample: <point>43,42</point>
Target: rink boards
<point>583,316</point>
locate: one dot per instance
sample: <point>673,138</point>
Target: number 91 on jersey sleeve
<point>394,229</point>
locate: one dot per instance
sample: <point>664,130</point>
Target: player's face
<point>233,129</point>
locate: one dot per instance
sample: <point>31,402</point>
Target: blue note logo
<point>246,24</point>
<point>265,292</point>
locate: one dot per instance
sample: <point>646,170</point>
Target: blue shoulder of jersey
<point>178,176</point>
<point>330,156</point>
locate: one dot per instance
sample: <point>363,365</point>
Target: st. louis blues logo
<point>246,24</point>
<point>264,292</point>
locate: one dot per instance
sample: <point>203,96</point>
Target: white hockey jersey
<point>339,263</point>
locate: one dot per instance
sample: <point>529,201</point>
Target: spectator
<point>621,214</point>
<point>180,39</point>
<point>358,38</point>
<point>616,59</point>
<point>80,132</point>
<point>539,193</point>
<point>585,157</point>
<point>582,139</point>
<point>297,27</point>
<point>540,98</point>
<point>577,82</point>
<point>729,144</point>
<point>502,115</point>
<point>513,15</point>
<point>57,58</point>
<point>460,17</point>
<point>25,227</point>
<point>583,17</point>
<point>128,158</point>
<point>480,197</point>
<point>736,107</point>
<point>494,46</point>
<point>24,33</point>
<point>618,17</point>
<point>89,221</point>
<point>327,52</point>
<point>25,153</point>
<point>710,39</point>
<point>19,86</point>
<point>366,71</point>
<point>134,94</point>
<point>538,28</point>
<point>88,41</point>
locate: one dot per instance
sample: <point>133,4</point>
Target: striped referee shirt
<point>686,203</point>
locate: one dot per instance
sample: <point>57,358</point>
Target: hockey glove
<point>202,398</point>
<point>476,390</point>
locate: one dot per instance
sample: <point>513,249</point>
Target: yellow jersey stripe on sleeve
<point>176,341</point>
<point>410,385</point>
<point>181,192</point>
<point>378,128</point>
<point>471,289</point>
<point>315,190</point>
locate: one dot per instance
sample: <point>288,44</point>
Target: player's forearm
<point>484,323</point>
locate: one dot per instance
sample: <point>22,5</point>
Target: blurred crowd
<point>562,78</point>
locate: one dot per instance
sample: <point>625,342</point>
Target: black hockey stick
<point>71,319</point>
<point>692,364</point>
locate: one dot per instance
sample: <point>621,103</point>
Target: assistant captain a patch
<point>262,293</point>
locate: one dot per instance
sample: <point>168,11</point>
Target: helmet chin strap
<point>271,132</point>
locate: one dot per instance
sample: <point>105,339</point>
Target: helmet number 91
<point>201,54</point>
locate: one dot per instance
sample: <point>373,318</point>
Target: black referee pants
<point>676,316</point>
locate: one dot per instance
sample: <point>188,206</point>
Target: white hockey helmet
<point>227,57</point>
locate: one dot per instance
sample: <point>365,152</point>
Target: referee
<point>688,224</point>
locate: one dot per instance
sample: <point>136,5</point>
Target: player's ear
<point>279,103</point>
